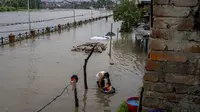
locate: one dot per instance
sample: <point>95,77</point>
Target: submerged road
<point>41,19</point>
<point>34,71</point>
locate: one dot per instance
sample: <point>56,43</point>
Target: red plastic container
<point>131,107</point>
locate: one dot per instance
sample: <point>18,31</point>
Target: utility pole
<point>17,4</point>
<point>111,40</point>
<point>91,14</point>
<point>106,8</point>
<point>74,12</point>
<point>29,18</point>
<point>91,9</point>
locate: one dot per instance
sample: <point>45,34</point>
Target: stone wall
<point>172,78</point>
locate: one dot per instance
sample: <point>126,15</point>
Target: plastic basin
<point>133,104</point>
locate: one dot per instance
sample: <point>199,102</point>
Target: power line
<point>58,95</point>
<point>54,98</point>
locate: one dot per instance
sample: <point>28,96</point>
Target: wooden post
<point>117,33</point>
<point>111,40</point>
<point>141,97</point>
<point>43,31</point>
<point>85,66</point>
<point>74,80</point>
<point>75,96</point>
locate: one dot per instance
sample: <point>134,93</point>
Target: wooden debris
<point>87,47</point>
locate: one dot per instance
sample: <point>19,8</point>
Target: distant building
<point>143,3</point>
<point>146,6</point>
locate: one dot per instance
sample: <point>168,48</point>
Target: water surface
<point>34,71</point>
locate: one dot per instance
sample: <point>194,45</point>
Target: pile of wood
<point>100,47</point>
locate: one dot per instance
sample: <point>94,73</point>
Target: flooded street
<point>34,71</point>
<point>42,18</point>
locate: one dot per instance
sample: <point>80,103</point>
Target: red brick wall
<point>172,78</point>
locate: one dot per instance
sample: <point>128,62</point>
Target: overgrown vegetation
<point>128,13</point>
<point>4,9</point>
<point>123,107</point>
<point>14,5</point>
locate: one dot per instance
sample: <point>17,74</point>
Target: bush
<point>123,107</point>
<point>13,9</point>
<point>8,9</point>
<point>3,9</point>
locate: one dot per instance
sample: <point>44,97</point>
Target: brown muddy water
<point>34,71</point>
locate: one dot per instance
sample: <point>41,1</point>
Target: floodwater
<point>50,18</point>
<point>34,71</point>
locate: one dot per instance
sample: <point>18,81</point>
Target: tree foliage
<point>128,13</point>
<point>34,4</point>
<point>4,9</point>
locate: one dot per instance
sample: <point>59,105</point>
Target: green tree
<point>34,4</point>
<point>128,13</point>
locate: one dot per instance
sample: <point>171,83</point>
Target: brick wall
<point>172,78</point>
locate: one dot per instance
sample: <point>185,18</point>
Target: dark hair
<point>106,75</point>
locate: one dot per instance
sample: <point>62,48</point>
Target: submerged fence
<point>41,31</point>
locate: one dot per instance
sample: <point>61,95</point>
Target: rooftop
<point>142,1</point>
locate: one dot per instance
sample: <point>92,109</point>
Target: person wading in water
<point>100,78</point>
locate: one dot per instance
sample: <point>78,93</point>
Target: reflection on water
<point>76,110</point>
<point>85,101</point>
<point>12,45</point>
<point>103,99</point>
<point>127,54</point>
<point>126,44</point>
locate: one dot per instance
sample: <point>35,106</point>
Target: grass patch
<point>123,107</point>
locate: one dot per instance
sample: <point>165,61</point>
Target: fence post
<point>74,80</point>
<point>20,36</point>
<point>11,38</point>
<point>59,27</point>
<point>26,35</point>
<point>1,40</point>
<point>32,33</point>
<point>38,32</point>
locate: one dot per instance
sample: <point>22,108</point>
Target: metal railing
<point>45,30</point>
